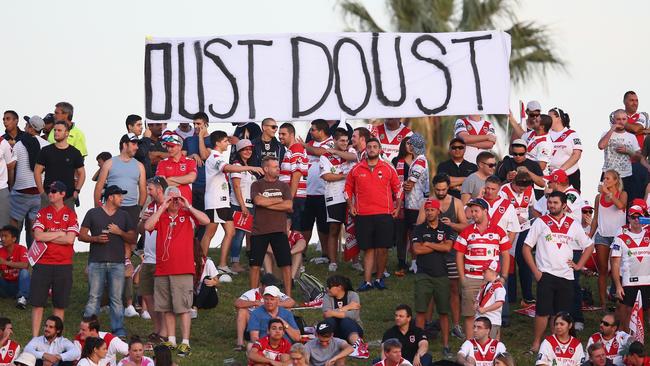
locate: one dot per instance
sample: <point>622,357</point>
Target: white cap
<point>533,105</point>
<point>272,290</point>
<point>26,359</point>
<point>225,278</point>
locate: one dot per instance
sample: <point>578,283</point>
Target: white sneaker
<point>130,312</point>
<point>194,313</point>
<point>386,274</point>
<point>332,267</point>
<point>320,260</point>
<point>21,303</point>
<point>302,269</point>
<point>104,309</point>
<point>413,268</point>
<point>145,315</point>
<point>579,326</point>
<point>357,266</point>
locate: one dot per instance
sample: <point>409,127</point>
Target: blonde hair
<point>617,176</point>
<point>504,357</point>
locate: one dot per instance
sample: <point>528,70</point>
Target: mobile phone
<point>644,220</point>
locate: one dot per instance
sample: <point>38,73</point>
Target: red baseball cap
<point>432,203</point>
<point>557,176</point>
<point>636,210</point>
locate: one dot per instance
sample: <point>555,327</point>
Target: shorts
<point>630,295</point>
<point>603,240</point>
<point>494,332</point>
<point>470,288</point>
<point>279,244</point>
<point>173,293</point>
<point>374,231</point>
<point>296,215</point>
<point>315,211</point>
<point>219,215</point>
<point>554,294</point>
<point>410,218</point>
<point>58,277</point>
<point>336,212</point>
<point>24,205</point>
<point>146,286</point>
<point>133,211</point>
<point>427,287</point>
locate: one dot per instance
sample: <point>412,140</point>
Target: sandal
<point>400,273</point>
<point>239,348</point>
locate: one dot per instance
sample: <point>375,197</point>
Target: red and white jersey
<point>217,190</point>
<point>418,174</point>
<point>612,346</point>
<point>522,202</point>
<point>483,354</point>
<point>633,249</point>
<point>184,166</point>
<point>554,352</point>
<point>610,217</point>
<point>295,160</point>
<point>264,348</point>
<point>8,352</point>
<point>642,119</point>
<point>555,242</point>
<point>503,214</point>
<point>402,362</point>
<point>474,128</point>
<point>50,219</point>
<point>19,255</point>
<point>333,164</point>
<point>294,237</point>
<point>115,345</point>
<point>390,140</point>
<point>574,204</point>
<point>315,184</point>
<point>481,248</point>
<point>564,142</point>
<point>539,148</point>
<point>490,294</point>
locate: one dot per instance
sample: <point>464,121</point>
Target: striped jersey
<point>480,248</point>
<point>295,160</point>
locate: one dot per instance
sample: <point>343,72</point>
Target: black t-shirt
<point>142,155</point>
<point>96,220</point>
<point>453,170</point>
<point>434,264</point>
<point>409,340</point>
<point>508,164</point>
<point>156,146</point>
<point>60,164</point>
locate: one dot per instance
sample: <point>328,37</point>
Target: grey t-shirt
<point>319,355</point>
<point>472,185</point>
<point>97,220</point>
<point>330,303</point>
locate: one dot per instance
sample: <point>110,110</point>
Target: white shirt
<point>507,216</point>
<point>555,242</point>
<point>522,202</point>
<point>634,251</point>
<point>88,362</point>
<point>245,182</point>
<point>610,218</point>
<point>59,346</point>
<point>483,354</point>
<point>24,174</point>
<point>613,346</point>
<point>115,346</point>
<point>540,148</point>
<point>6,158</point>
<point>569,354</point>
<point>618,161</point>
<point>474,128</point>
<point>316,185</point>
<point>146,361</point>
<point>328,163</point>
<point>209,270</point>
<point>574,204</point>
<point>217,193</point>
<point>184,134</point>
<point>490,294</point>
<point>564,142</point>
<point>418,174</point>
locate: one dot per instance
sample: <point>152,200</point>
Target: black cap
<point>129,137</point>
<point>323,328</point>
<point>636,348</point>
<point>457,139</point>
<point>49,118</point>
<point>478,202</point>
<point>111,190</point>
<point>57,186</point>
<point>269,280</point>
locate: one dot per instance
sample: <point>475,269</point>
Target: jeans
<point>100,275</point>
<point>16,289</point>
<point>343,327</point>
<point>238,239</point>
<point>576,313</point>
<point>524,272</point>
<point>198,201</point>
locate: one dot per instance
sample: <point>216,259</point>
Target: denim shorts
<point>24,205</point>
<point>603,240</point>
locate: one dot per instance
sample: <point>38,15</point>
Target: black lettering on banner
<point>472,52</point>
<point>377,72</point>
<point>251,72</point>
<point>295,57</point>
<point>231,78</point>
<point>166,48</point>
<point>436,63</point>
<point>181,80</point>
<point>337,76</point>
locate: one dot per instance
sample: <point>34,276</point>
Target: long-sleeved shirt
<point>59,346</point>
<point>373,190</point>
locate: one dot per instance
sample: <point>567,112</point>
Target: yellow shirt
<point>76,138</point>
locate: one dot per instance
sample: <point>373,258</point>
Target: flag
<point>351,249</point>
<point>636,320</point>
<point>522,115</point>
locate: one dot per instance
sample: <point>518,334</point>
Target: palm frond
<point>482,14</point>
<point>355,12</point>
<point>532,53</point>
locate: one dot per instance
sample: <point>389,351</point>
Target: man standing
<point>14,267</point>
<point>267,144</point>
<point>432,241</point>
<point>272,200</point>
<point>473,185</point>
<point>178,170</point>
<point>360,137</point>
<point>371,189</point>
<point>457,168</point>
<point>110,232</point>
<point>415,345</point>
<point>612,339</point>
<point>56,226</point>
<point>7,164</point>
<point>174,282</point>
<point>477,133</point>
<point>533,111</point>
<point>9,349</point>
<point>390,134</point>
<point>293,171</point>
<point>61,162</point>
<point>89,327</point>
<point>52,348</point>
<point>157,150</point>
<point>134,125</point>
<point>554,236</point>
<point>63,111</point>
<point>476,247</point>
<point>197,147</point>
<point>12,134</point>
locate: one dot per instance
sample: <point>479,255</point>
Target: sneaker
<point>579,326</point>
<point>386,274</point>
<point>145,315</point>
<point>226,270</point>
<point>446,353</point>
<point>414,267</point>
<point>302,269</point>
<point>130,312</point>
<point>21,303</point>
<point>365,286</point>
<point>332,267</point>
<point>360,350</point>
<point>194,313</point>
<point>184,350</point>
<point>319,260</point>
<point>169,345</point>
<point>357,266</point>
<point>379,284</point>
<point>457,332</point>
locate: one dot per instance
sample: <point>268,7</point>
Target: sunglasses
<point>491,165</point>
<point>458,147</point>
<point>534,114</point>
<point>635,217</point>
<point>518,154</point>
<point>588,211</point>
<point>602,322</point>
<point>55,191</point>
<point>273,127</point>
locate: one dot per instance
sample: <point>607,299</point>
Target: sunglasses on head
<point>458,147</point>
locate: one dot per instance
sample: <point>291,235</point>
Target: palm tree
<point>531,54</point>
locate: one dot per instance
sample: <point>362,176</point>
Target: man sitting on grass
<point>273,349</point>
<point>14,273</point>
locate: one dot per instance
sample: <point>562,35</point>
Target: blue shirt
<point>259,320</point>
<point>191,145</point>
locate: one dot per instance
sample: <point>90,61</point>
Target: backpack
<point>312,289</point>
<point>207,298</point>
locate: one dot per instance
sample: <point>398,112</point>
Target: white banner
<point>310,76</point>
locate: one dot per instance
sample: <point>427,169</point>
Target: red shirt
<point>481,248</point>
<point>373,191</point>
<point>295,160</point>
<point>49,219</point>
<point>169,168</point>
<point>19,255</point>
<point>263,347</point>
<point>175,244</point>
<point>8,352</point>
<point>294,237</point>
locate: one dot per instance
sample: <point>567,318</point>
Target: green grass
<point>213,333</point>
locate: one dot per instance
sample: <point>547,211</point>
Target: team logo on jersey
<point>183,167</point>
<point>66,217</point>
<point>486,129</point>
<point>577,142</point>
<point>182,219</point>
<point>548,237</point>
<point>10,353</point>
<point>380,174</point>
<point>571,350</point>
<point>440,236</point>
<point>412,338</point>
<point>399,137</point>
<point>646,239</point>
<point>558,349</point>
<point>526,198</point>
<point>502,210</point>
<point>566,224</point>
<point>490,236</point>
<point>470,127</point>
<point>472,236</point>
<point>628,241</point>
<point>49,216</point>
<point>493,349</point>
<point>382,136</point>
<point>339,304</point>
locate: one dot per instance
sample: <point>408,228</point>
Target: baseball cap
<point>242,144</point>
<point>129,137</point>
<point>171,139</point>
<point>269,279</point>
<point>636,210</point>
<point>57,186</point>
<point>418,144</point>
<point>639,202</point>
<point>324,329</point>
<point>518,142</point>
<point>26,359</point>
<point>272,291</point>
<point>492,265</point>
<point>111,190</point>
<point>478,202</point>
<point>35,121</point>
<point>456,140</point>
<point>432,203</point>
<point>533,105</point>
<point>557,176</point>
<point>49,118</point>
<point>587,206</point>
